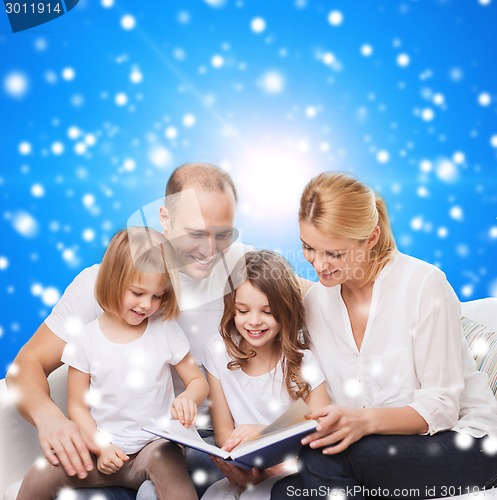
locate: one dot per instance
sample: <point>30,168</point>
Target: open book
<point>276,443</point>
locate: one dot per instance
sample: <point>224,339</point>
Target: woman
<point>411,415</point>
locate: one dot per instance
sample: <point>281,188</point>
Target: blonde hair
<point>340,205</point>
<point>134,251</point>
<point>273,276</point>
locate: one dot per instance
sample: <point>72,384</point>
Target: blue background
<point>98,106</point>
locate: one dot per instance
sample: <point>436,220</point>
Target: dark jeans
<point>393,467</point>
<point>200,467</point>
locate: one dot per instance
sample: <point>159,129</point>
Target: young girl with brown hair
<point>119,376</point>
<point>261,362</point>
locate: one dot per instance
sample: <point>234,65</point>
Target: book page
<point>293,415</point>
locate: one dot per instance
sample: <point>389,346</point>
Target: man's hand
<point>110,459</point>
<point>184,409</point>
<point>62,442</point>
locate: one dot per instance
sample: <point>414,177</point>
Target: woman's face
<point>335,260</point>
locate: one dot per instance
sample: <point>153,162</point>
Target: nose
<point>320,262</point>
<point>255,319</point>
<point>145,301</point>
<point>208,247</point>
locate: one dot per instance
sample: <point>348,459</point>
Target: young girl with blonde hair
<point>261,362</point>
<point>119,376</point>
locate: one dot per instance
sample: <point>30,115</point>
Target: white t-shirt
<point>256,400</point>
<point>413,353</point>
<point>201,304</point>
<point>129,383</point>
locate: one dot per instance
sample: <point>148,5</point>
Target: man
<point>198,220</point>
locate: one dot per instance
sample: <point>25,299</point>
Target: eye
<point>269,313</point>
<point>157,297</point>
<point>196,235</point>
<point>306,247</point>
<point>136,294</point>
<point>224,236</point>
<point>335,255</point>
<point>239,311</point>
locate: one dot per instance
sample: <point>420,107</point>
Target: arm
<point>318,397</point>
<point>110,457</point>
<point>184,407</point>
<point>339,426</point>
<point>28,376</point>
<point>222,420</point>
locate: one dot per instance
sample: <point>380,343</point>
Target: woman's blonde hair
<point>132,251</point>
<point>273,276</point>
<point>341,206</point>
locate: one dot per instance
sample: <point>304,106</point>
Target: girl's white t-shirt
<point>129,383</point>
<point>256,400</point>
<point>413,352</point>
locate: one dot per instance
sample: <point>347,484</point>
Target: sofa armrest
<point>19,440</point>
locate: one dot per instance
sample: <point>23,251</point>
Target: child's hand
<point>185,410</point>
<point>111,459</point>
<point>240,434</point>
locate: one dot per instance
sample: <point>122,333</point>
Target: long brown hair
<point>339,205</point>
<point>130,252</point>
<point>273,276</point>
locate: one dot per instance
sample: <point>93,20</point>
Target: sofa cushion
<point>483,345</point>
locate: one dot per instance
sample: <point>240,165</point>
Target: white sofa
<point>18,440</point>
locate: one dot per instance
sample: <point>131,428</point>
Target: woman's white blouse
<point>413,353</point>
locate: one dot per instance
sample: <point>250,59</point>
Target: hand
<point>242,433</point>
<point>238,476</point>
<point>338,426</point>
<point>110,459</point>
<point>62,442</point>
<point>185,410</point>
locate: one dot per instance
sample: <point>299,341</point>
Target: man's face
<point>199,229</point>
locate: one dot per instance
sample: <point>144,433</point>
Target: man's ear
<point>374,237</point>
<point>165,218</point>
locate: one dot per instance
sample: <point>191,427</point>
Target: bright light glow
<point>335,18</point>
<point>136,75</point>
<point>456,213</point>
<point>16,84</point>
<point>427,114</point>
<point>367,50</point>
<point>68,74</point>
<point>57,148</point>
<point>128,22</point>
<point>25,148</point>
<point>266,169</point>
<point>484,99</point>
<point>459,157</point>
<point>446,170</point>
<point>217,61</point>
<point>258,25</point>
<point>403,60</point>
<point>272,82</point>
<point>50,296</point>
<point>37,190</point>
<point>121,99</point>
<point>189,120</point>
<point>382,156</point>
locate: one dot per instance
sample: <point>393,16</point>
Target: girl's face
<point>253,319</point>
<point>142,297</point>
<point>335,260</point>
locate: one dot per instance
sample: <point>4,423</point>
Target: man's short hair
<point>204,176</point>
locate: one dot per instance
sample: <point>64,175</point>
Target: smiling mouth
<point>328,275</point>
<point>140,314</point>
<point>204,262</point>
<point>255,333</point>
